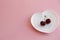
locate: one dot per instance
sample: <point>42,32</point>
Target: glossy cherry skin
<point>48,21</point>
<point>42,23</point>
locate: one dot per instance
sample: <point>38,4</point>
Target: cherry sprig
<point>47,21</point>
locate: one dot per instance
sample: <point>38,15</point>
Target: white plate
<point>38,17</point>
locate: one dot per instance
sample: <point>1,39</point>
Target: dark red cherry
<point>42,23</point>
<point>48,21</point>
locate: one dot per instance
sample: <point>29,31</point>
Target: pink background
<point>15,19</point>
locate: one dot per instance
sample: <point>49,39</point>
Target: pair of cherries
<point>43,23</point>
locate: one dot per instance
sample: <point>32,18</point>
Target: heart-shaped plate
<point>40,16</point>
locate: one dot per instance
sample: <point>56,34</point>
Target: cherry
<point>48,21</point>
<point>42,23</point>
